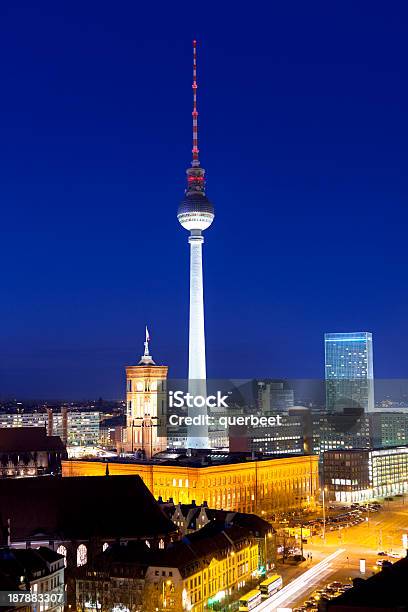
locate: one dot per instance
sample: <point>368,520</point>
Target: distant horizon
<point>305,390</point>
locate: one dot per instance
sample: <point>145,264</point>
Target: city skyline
<point>302,180</point>
<point>186,428</point>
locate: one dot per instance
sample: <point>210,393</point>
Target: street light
<point>367,508</point>
<point>324,513</point>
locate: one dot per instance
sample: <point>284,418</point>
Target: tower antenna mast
<point>195,149</point>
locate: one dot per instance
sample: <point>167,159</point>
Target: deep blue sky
<point>303,133</point>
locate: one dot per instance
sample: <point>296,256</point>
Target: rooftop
<point>195,550</point>
<point>80,508</point>
<point>199,458</point>
<point>28,439</point>
<point>23,565</point>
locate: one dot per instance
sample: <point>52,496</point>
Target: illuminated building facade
<point>340,430</point>
<point>358,474</point>
<point>287,438</point>
<point>145,406</point>
<point>349,371</point>
<point>211,567</point>
<point>389,428</point>
<point>270,485</point>
<point>75,427</point>
<point>23,419</point>
<point>189,518</point>
<point>216,563</point>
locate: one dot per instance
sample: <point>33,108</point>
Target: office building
<point>348,429</point>
<point>274,396</point>
<point>75,427</point>
<point>355,475</point>
<point>349,371</point>
<point>389,428</point>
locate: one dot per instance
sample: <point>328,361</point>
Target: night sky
<point>303,133</point>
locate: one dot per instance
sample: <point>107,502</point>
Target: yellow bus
<point>250,600</point>
<point>270,586</point>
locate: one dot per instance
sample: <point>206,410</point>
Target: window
<point>61,550</point>
<point>82,555</point>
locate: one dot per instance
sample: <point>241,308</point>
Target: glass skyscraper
<point>349,371</point>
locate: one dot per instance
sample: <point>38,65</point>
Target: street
<point>338,557</point>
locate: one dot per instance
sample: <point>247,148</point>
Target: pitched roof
<point>190,553</point>
<point>80,508</point>
<point>28,439</point>
<point>199,548</point>
<point>16,563</point>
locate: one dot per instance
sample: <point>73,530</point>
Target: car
<point>394,555</point>
<point>310,604</point>
<point>329,595</point>
<point>382,553</point>
<point>383,562</point>
<point>347,586</point>
<point>334,585</point>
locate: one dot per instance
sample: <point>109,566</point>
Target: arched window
<point>82,555</point>
<point>61,550</point>
<point>105,546</point>
<point>161,543</point>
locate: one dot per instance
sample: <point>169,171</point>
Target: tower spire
<point>146,358</point>
<point>195,150</point>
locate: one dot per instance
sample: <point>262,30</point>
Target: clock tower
<point>146,401</point>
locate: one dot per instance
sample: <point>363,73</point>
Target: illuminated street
<point>339,558</point>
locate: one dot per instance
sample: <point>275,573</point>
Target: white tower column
<point>197,435</point>
<point>196,353</point>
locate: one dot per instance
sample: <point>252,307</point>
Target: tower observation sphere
<point>195,214</point>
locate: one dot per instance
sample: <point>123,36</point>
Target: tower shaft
<point>196,353</point>
<point>197,434</point>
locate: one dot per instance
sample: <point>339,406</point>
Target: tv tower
<point>196,213</point>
